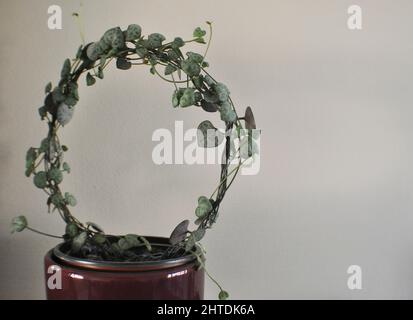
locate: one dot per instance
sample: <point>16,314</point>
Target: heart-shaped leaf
<point>188,98</point>
<point>199,33</point>
<point>223,295</point>
<point>57,95</point>
<point>56,175</point>
<point>222,91</point>
<point>66,167</point>
<point>208,136</point>
<point>133,32</point>
<point>92,52</point>
<point>114,38</point>
<point>72,230</point>
<point>195,57</point>
<point>64,114</point>
<point>99,238</point>
<point>18,224</point>
<point>65,69</point>
<point>94,226</point>
<point>128,242</point>
<point>178,43</point>
<point>31,156</point>
<point>190,67</point>
<point>70,199</point>
<point>123,64</point>
<point>155,40</point>
<point>208,106</point>
<point>204,207</point>
<point>198,234</point>
<point>48,88</point>
<point>249,119</point>
<point>227,113</point>
<point>90,80</point>
<point>57,200</point>
<point>141,51</point>
<point>169,69</point>
<point>40,179</point>
<point>78,242</point>
<point>179,233</point>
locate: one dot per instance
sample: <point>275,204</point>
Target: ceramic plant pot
<point>72,278</point>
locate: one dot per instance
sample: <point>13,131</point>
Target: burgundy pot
<point>172,279</point>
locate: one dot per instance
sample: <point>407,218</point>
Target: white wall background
<point>335,108</point>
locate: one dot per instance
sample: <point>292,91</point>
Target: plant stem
<point>79,22</point>
<point>228,175</point>
<point>230,100</point>
<point>213,280</point>
<point>206,271</point>
<point>192,40</point>
<point>44,233</point>
<point>39,163</point>
<point>209,40</point>
<point>173,78</point>
<point>167,80</point>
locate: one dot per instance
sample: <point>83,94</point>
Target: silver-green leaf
<point>155,40</point>
<point>70,199</point>
<point>18,224</point>
<point>56,175</point>
<point>133,32</point>
<point>208,136</point>
<point>227,113</point>
<point>204,207</point>
<point>188,98</point>
<point>40,179</point>
<point>169,69</point>
<point>64,114</point>
<point>78,242</point>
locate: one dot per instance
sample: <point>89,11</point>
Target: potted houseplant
<point>96,265</point>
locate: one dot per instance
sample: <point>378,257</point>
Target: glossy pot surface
<point>71,278</point>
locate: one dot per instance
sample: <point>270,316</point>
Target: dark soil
<point>109,251</point>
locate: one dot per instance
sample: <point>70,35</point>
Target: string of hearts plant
<point>194,86</point>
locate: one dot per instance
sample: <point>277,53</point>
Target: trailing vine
<point>194,86</point>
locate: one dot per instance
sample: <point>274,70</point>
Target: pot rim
<point>123,266</point>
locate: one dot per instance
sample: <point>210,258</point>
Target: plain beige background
<point>335,108</point>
